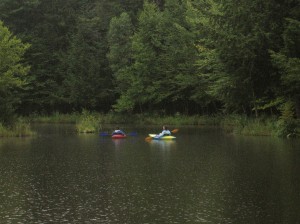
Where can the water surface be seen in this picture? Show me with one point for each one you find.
(204, 176)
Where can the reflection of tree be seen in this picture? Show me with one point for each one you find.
(284, 185)
(7, 143)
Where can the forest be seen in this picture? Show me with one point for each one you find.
(158, 56)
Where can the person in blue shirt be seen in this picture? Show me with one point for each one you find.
(118, 132)
(164, 132)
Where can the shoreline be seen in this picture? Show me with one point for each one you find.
(91, 122)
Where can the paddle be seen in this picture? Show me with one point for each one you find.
(132, 134)
(173, 131)
(104, 134)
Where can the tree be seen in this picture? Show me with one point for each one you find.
(12, 72)
(287, 60)
(242, 34)
(162, 51)
(88, 82)
(119, 40)
(139, 73)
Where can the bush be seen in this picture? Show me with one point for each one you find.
(88, 122)
(288, 128)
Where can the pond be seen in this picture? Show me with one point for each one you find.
(204, 176)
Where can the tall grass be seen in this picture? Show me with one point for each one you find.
(270, 126)
(19, 129)
(55, 118)
(89, 122)
(178, 120)
(256, 127)
(289, 128)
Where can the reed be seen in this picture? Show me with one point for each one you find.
(289, 128)
(55, 118)
(88, 122)
(255, 127)
(18, 129)
(177, 120)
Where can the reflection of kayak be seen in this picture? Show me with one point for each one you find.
(118, 136)
(166, 137)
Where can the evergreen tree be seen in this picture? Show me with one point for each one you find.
(242, 34)
(163, 50)
(89, 82)
(119, 39)
(86, 84)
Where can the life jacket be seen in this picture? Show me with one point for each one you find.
(168, 133)
(117, 132)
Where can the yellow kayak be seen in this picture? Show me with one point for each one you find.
(166, 137)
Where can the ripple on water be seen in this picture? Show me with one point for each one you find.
(84, 180)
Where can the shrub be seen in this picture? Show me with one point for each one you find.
(88, 122)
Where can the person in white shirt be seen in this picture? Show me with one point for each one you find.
(164, 132)
(118, 132)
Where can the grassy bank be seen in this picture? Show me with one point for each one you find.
(88, 122)
(20, 128)
(55, 118)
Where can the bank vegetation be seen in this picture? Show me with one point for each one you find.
(181, 61)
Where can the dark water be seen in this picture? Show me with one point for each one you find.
(204, 176)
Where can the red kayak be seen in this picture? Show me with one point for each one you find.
(118, 136)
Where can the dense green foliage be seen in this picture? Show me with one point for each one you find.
(187, 56)
(12, 73)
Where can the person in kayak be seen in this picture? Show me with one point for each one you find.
(164, 132)
(118, 132)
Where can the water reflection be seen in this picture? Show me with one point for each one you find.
(20, 142)
(118, 143)
(162, 144)
(124, 142)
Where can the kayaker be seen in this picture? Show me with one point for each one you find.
(164, 132)
(118, 132)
